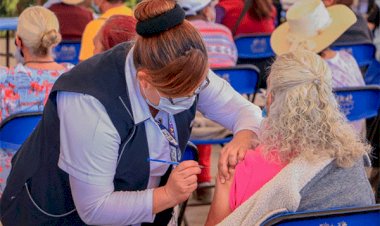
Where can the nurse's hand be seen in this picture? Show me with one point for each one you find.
(181, 183)
(234, 152)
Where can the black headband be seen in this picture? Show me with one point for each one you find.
(161, 23)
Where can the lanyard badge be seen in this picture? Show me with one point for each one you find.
(175, 153)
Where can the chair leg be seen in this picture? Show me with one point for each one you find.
(181, 215)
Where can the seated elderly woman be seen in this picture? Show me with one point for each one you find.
(309, 157)
(25, 87)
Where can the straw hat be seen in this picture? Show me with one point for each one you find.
(72, 2)
(310, 25)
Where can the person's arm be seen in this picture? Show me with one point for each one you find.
(221, 103)
(220, 206)
(101, 205)
(89, 153)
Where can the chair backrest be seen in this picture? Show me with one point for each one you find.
(190, 153)
(369, 216)
(359, 102)
(67, 52)
(254, 46)
(363, 53)
(15, 129)
(243, 78)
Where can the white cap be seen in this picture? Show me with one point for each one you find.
(191, 7)
(286, 4)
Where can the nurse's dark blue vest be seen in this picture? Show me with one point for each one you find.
(35, 164)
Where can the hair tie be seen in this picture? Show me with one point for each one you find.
(161, 22)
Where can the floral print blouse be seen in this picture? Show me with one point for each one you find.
(25, 89)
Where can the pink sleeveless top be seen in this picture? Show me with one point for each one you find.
(250, 175)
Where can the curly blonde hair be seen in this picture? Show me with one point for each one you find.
(304, 119)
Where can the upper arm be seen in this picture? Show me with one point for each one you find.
(89, 141)
(220, 206)
(221, 103)
(87, 45)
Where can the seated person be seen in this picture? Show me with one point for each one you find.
(72, 18)
(260, 18)
(358, 33)
(117, 29)
(300, 31)
(309, 158)
(25, 88)
(108, 8)
(220, 45)
(28, 84)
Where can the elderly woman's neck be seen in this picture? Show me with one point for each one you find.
(45, 62)
(328, 54)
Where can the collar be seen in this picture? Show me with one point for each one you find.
(140, 109)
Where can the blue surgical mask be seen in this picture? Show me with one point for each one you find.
(264, 112)
(19, 56)
(172, 106)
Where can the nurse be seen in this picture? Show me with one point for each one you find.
(86, 162)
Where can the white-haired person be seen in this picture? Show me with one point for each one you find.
(312, 26)
(27, 85)
(309, 158)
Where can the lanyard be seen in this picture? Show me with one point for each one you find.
(175, 154)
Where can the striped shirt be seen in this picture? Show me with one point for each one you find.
(219, 42)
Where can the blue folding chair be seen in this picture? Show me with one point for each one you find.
(15, 129)
(255, 49)
(359, 102)
(254, 46)
(67, 52)
(364, 54)
(359, 216)
(244, 79)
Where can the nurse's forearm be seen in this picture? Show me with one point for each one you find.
(162, 200)
(101, 205)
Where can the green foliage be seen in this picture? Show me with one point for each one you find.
(8, 8)
(131, 3)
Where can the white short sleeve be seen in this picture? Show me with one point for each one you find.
(89, 141)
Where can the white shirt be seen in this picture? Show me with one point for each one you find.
(90, 145)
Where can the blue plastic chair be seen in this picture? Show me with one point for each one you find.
(254, 46)
(364, 54)
(67, 52)
(368, 216)
(359, 102)
(255, 49)
(244, 79)
(15, 129)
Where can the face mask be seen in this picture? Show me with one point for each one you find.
(264, 112)
(19, 56)
(180, 104)
(95, 7)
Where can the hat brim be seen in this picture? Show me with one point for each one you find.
(342, 18)
(72, 2)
